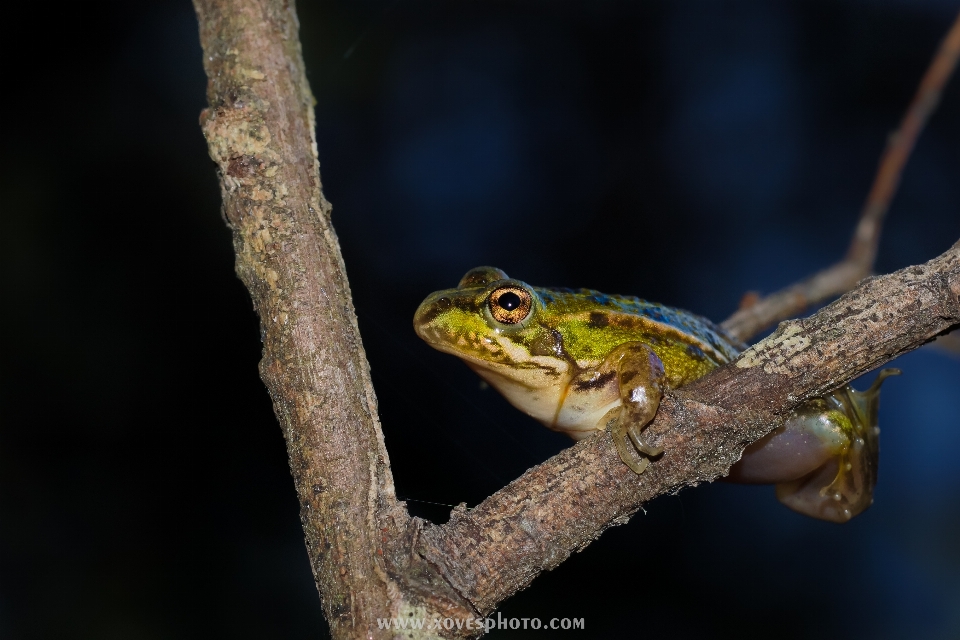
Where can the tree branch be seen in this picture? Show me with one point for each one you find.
(559, 507)
(858, 263)
(369, 558)
(260, 132)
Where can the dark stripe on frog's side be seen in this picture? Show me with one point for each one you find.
(599, 320)
(550, 371)
(596, 383)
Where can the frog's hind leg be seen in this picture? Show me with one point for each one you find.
(824, 458)
(843, 487)
(640, 375)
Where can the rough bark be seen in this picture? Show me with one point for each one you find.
(260, 131)
(369, 558)
(534, 523)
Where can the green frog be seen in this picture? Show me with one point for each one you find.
(580, 361)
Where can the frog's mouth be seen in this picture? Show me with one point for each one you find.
(488, 357)
(474, 352)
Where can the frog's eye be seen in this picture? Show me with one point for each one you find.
(510, 304)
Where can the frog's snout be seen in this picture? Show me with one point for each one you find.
(435, 305)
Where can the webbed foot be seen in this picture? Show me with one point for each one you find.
(843, 488)
(824, 458)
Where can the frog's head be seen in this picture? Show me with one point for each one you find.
(501, 329)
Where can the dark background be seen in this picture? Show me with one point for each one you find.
(685, 152)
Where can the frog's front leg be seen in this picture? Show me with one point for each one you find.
(640, 377)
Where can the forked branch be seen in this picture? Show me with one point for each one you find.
(532, 524)
(858, 263)
(369, 558)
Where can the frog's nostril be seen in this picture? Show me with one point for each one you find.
(431, 308)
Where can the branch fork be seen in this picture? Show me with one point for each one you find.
(372, 560)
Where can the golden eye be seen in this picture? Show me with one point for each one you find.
(510, 304)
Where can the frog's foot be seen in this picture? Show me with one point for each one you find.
(642, 446)
(620, 439)
(824, 458)
(640, 375)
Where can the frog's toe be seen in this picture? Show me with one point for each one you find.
(836, 492)
(638, 466)
(642, 445)
(636, 463)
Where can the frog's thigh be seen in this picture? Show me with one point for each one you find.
(823, 459)
(805, 442)
(640, 376)
(843, 487)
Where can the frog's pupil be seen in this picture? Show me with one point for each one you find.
(509, 301)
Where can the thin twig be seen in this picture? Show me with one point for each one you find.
(949, 343)
(858, 263)
(370, 559)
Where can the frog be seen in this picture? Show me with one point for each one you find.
(581, 362)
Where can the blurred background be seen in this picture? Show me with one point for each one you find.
(682, 152)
